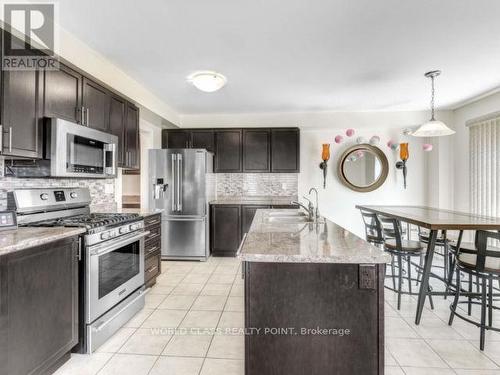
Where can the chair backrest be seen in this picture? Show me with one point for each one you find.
(391, 229)
(373, 229)
(483, 253)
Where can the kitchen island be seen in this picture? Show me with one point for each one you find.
(314, 298)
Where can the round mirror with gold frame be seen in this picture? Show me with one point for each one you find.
(363, 168)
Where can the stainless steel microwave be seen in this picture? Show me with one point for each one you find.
(78, 151)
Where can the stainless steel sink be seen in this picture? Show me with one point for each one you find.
(292, 213)
(289, 219)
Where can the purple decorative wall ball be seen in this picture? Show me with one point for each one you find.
(427, 147)
(349, 132)
(339, 139)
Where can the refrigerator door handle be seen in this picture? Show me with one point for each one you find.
(183, 219)
(179, 182)
(174, 208)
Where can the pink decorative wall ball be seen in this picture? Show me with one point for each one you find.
(389, 143)
(349, 132)
(339, 139)
(427, 147)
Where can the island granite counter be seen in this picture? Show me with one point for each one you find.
(314, 298)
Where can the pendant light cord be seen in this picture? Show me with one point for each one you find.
(432, 99)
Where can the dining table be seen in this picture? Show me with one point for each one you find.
(434, 220)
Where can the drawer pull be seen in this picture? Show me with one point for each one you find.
(154, 222)
(151, 269)
(153, 249)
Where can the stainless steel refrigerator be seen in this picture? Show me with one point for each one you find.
(182, 183)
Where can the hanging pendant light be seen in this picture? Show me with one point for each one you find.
(433, 127)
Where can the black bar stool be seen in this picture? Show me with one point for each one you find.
(483, 262)
(402, 249)
(373, 229)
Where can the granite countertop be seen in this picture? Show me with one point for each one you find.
(324, 242)
(265, 200)
(142, 212)
(26, 237)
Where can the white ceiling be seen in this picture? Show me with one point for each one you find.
(297, 55)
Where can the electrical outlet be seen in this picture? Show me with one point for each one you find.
(109, 188)
(367, 276)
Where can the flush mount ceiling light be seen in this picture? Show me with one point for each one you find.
(433, 127)
(207, 81)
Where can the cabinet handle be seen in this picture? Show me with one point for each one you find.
(153, 222)
(87, 120)
(153, 249)
(82, 113)
(10, 138)
(1, 139)
(151, 269)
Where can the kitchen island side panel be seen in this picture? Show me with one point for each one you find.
(284, 299)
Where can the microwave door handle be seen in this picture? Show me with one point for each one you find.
(179, 182)
(173, 183)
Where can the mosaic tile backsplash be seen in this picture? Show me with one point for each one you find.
(257, 184)
(103, 197)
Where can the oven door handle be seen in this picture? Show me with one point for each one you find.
(102, 249)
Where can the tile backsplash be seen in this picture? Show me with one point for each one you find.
(102, 191)
(257, 184)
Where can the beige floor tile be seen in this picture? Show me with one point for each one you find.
(433, 328)
(227, 346)
(196, 278)
(179, 302)
(187, 289)
(164, 319)
(414, 353)
(201, 319)
(427, 371)
(188, 346)
(235, 304)
(83, 364)
(216, 290)
(471, 332)
(128, 364)
(389, 358)
(160, 289)
(146, 341)
(238, 290)
(491, 349)
(116, 341)
(393, 370)
(177, 366)
(221, 278)
(227, 269)
(154, 300)
(461, 354)
(139, 318)
(213, 366)
(232, 319)
(477, 372)
(211, 303)
(398, 328)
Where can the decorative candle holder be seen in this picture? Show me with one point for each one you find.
(404, 155)
(325, 155)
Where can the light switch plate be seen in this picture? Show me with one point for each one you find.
(367, 276)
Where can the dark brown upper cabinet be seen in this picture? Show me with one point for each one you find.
(21, 120)
(62, 94)
(202, 139)
(228, 150)
(132, 146)
(96, 102)
(175, 139)
(256, 150)
(285, 150)
(117, 112)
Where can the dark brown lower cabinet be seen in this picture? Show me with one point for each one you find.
(38, 307)
(313, 319)
(247, 214)
(152, 249)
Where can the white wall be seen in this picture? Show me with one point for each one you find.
(337, 201)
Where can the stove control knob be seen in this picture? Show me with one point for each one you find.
(73, 195)
(134, 227)
(123, 230)
(44, 196)
(105, 235)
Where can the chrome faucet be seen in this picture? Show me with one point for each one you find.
(309, 209)
(316, 211)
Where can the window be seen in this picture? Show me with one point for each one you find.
(484, 138)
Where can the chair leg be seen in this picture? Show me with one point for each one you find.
(490, 301)
(469, 298)
(408, 261)
(445, 260)
(483, 313)
(430, 298)
(453, 306)
(419, 271)
(450, 276)
(393, 271)
(400, 279)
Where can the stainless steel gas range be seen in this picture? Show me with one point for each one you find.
(111, 257)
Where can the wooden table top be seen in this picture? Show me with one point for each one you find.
(434, 218)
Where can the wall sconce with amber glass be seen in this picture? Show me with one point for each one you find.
(404, 155)
(325, 155)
